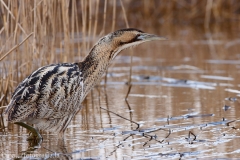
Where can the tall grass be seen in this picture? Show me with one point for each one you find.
(49, 30)
(41, 32)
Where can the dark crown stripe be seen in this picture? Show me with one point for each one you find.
(33, 80)
(129, 29)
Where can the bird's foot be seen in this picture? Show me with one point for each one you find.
(35, 135)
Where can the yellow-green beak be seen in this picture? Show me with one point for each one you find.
(149, 37)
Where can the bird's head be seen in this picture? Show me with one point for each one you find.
(125, 38)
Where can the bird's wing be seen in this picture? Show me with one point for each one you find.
(44, 91)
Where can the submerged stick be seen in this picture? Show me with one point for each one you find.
(121, 117)
(129, 85)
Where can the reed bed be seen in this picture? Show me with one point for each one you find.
(37, 33)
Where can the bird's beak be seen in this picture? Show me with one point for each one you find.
(150, 37)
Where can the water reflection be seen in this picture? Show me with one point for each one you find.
(183, 103)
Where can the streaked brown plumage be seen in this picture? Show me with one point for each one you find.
(51, 96)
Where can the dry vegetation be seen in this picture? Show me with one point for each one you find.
(48, 29)
(41, 32)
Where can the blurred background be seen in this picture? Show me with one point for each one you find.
(195, 72)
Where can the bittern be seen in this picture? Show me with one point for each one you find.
(51, 96)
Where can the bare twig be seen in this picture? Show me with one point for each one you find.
(124, 13)
(3, 107)
(16, 46)
(129, 87)
(96, 20)
(13, 17)
(104, 16)
(111, 153)
(114, 15)
(4, 4)
(121, 117)
(208, 13)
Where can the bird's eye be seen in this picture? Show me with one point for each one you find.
(137, 37)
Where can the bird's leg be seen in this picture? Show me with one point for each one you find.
(34, 131)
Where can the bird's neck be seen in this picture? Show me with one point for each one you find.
(94, 66)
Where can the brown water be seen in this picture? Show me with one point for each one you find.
(184, 96)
